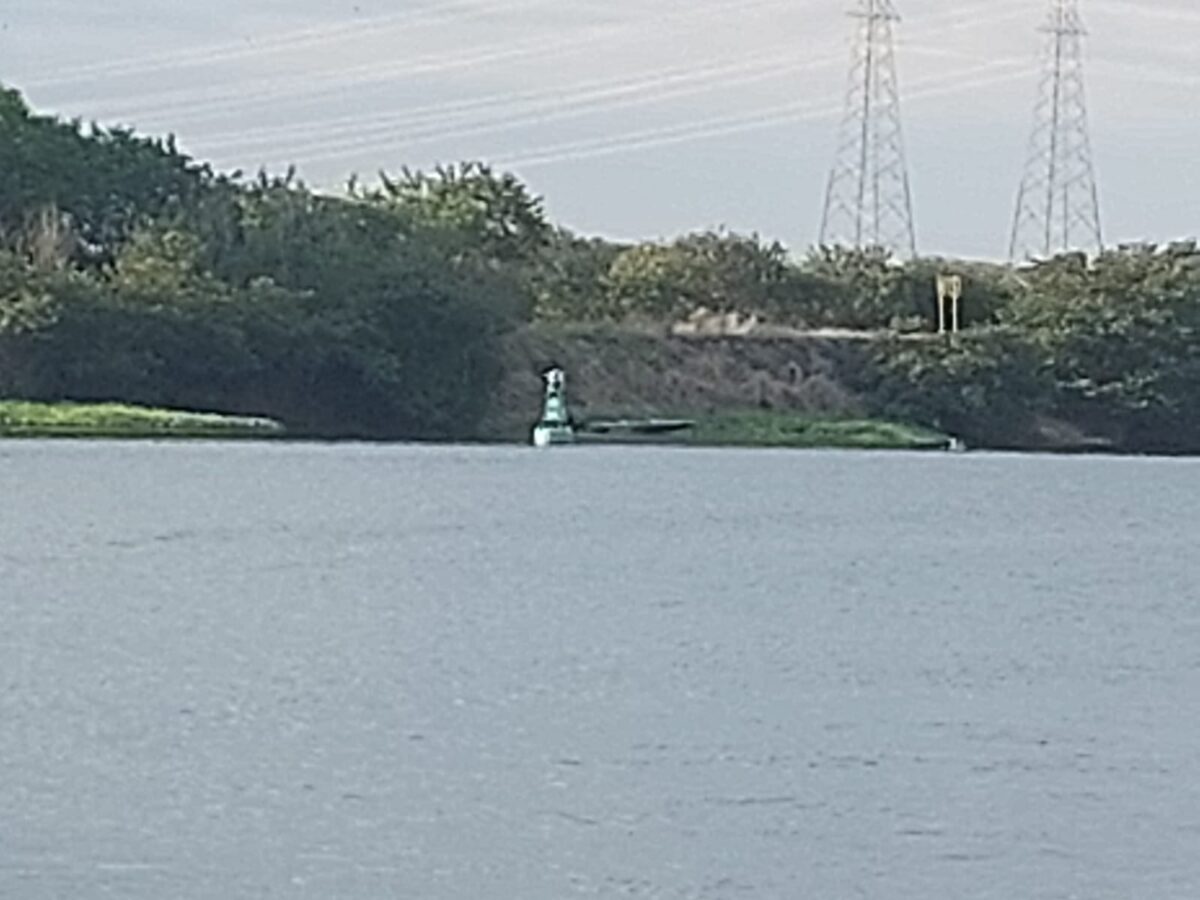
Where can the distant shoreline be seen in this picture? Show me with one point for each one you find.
(765, 429)
(22, 420)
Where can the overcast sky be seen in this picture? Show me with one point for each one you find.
(634, 118)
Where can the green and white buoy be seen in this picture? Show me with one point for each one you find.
(555, 426)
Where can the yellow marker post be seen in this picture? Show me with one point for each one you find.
(950, 292)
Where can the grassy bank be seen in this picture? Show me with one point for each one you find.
(785, 429)
(114, 420)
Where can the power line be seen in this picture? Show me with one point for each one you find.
(868, 200)
(1058, 205)
(220, 100)
(782, 114)
(502, 111)
(446, 110)
(212, 100)
(298, 39)
(337, 148)
(1126, 8)
(581, 100)
(626, 98)
(505, 110)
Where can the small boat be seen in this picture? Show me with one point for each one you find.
(637, 429)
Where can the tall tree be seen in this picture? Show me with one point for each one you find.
(713, 271)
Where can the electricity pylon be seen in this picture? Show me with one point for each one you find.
(1058, 207)
(868, 202)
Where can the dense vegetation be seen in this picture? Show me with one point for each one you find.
(1106, 346)
(130, 272)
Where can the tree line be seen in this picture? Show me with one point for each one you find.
(130, 271)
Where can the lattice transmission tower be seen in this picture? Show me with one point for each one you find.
(868, 202)
(1058, 207)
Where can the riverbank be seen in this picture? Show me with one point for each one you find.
(819, 390)
(775, 391)
(21, 419)
(614, 373)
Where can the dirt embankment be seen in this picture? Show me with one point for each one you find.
(614, 372)
(619, 372)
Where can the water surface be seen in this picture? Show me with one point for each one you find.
(467, 673)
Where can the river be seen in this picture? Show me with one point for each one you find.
(431, 673)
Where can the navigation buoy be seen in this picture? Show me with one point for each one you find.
(555, 426)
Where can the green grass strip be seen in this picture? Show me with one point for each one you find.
(779, 429)
(117, 420)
